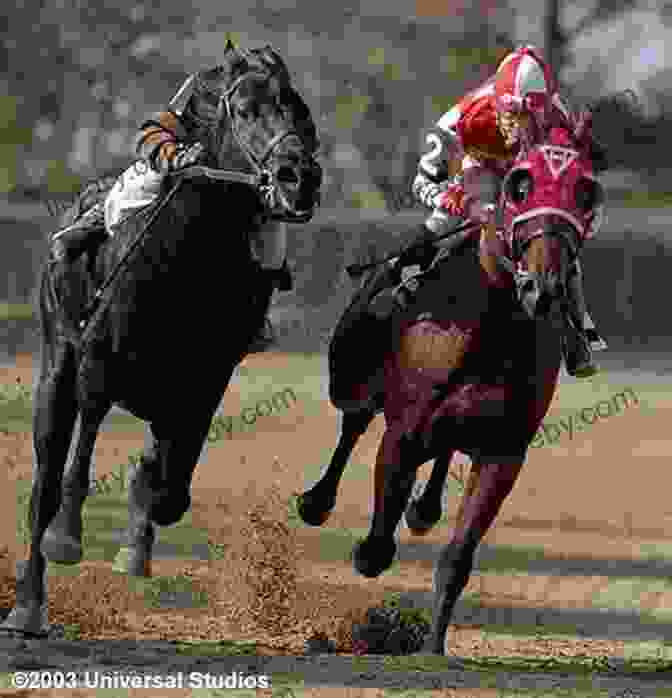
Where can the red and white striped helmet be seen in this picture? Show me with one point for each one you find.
(524, 83)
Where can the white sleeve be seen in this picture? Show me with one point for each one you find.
(443, 147)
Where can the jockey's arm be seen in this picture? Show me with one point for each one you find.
(161, 140)
(441, 163)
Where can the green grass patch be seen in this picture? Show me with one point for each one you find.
(633, 594)
(505, 559)
(587, 393)
(303, 372)
(16, 411)
(159, 591)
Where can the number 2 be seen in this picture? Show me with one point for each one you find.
(426, 160)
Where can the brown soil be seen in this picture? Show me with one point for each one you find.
(596, 497)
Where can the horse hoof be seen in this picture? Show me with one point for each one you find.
(132, 561)
(62, 549)
(168, 507)
(371, 559)
(29, 619)
(418, 524)
(310, 511)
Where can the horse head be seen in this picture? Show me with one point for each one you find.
(270, 126)
(547, 200)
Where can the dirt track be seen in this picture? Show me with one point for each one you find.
(589, 504)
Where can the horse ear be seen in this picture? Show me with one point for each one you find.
(230, 46)
(276, 60)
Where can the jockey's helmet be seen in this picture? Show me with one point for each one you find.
(524, 86)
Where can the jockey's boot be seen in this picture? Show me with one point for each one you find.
(83, 235)
(271, 279)
(403, 286)
(581, 336)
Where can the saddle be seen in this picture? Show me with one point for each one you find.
(451, 292)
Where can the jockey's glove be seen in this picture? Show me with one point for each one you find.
(451, 200)
(185, 156)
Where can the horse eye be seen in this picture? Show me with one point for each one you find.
(524, 187)
(520, 187)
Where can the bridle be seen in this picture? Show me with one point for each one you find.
(262, 179)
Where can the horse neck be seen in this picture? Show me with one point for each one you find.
(491, 247)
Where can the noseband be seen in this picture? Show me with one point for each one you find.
(264, 179)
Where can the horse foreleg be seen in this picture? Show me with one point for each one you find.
(315, 505)
(153, 500)
(135, 554)
(55, 414)
(394, 477)
(491, 483)
(62, 542)
(470, 488)
(424, 513)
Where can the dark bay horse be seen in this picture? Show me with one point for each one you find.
(177, 313)
(472, 366)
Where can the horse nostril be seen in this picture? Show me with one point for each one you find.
(287, 175)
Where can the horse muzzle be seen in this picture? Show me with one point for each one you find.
(296, 191)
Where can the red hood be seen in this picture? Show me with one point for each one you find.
(561, 170)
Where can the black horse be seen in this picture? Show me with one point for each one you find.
(175, 311)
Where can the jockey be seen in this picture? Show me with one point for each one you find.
(482, 135)
(173, 139)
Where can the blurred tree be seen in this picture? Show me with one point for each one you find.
(68, 62)
(557, 36)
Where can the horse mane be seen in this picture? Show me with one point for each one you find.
(268, 59)
(238, 61)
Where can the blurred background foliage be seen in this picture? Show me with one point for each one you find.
(79, 76)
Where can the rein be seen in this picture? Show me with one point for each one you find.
(263, 177)
(262, 180)
(93, 306)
